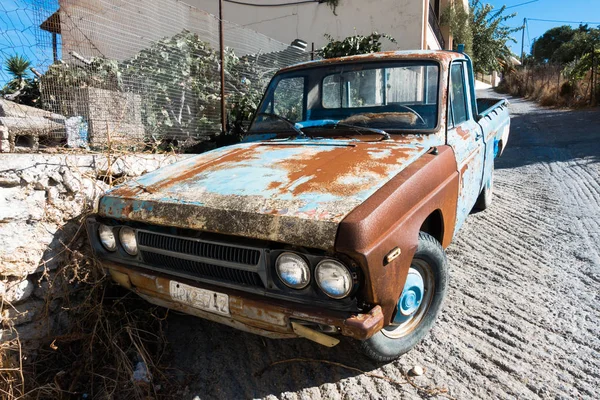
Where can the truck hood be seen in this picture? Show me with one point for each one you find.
(291, 191)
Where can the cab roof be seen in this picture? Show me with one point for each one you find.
(436, 55)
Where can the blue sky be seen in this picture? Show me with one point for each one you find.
(564, 10)
(19, 32)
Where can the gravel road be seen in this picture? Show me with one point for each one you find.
(522, 318)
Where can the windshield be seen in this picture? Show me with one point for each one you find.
(397, 96)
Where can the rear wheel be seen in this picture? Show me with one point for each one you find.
(484, 200)
(418, 305)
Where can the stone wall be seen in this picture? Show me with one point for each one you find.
(42, 200)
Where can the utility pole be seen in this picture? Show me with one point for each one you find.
(523, 41)
(222, 53)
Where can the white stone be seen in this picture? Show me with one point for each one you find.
(12, 204)
(36, 204)
(53, 195)
(41, 183)
(29, 177)
(417, 370)
(9, 180)
(23, 313)
(16, 291)
(69, 180)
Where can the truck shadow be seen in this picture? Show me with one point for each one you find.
(216, 361)
(540, 135)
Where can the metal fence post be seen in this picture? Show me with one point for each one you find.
(222, 54)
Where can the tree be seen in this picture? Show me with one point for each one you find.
(21, 89)
(584, 40)
(17, 66)
(353, 45)
(483, 33)
(545, 47)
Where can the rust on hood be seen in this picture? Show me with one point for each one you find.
(292, 191)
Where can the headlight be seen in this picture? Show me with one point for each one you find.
(107, 237)
(128, 241)
(334, 279)
(293, 270)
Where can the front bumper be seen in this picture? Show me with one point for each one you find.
(249, 313)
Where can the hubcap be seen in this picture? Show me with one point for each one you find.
(411, 296)
(413, 302)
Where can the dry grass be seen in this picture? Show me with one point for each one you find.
(548, 86)
(111, 333)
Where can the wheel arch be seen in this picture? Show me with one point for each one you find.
(434, 225)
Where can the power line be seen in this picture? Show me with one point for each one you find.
(564, 22)
(271, 5)
(522, 4)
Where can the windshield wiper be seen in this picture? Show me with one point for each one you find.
(290, 123)
(356, 128)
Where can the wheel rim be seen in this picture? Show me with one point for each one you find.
(414, 302)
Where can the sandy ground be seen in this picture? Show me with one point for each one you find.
(522, 318)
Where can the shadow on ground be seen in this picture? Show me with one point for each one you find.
(547, 135)
(220, 362)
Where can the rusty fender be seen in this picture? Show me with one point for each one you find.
(250, 313)
(392, 217)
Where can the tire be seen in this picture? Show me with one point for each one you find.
(393, 341)
(484, 201)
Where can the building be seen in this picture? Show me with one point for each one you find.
(414, 23)
(118, 29)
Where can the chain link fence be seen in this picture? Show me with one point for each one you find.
(126, 73)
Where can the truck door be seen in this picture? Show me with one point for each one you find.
(465, 136)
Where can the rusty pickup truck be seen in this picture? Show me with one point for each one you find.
(330, 219)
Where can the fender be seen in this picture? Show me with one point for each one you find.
(392, 217)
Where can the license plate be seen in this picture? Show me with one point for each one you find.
(206, 300)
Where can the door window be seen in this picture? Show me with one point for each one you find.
(458, 95)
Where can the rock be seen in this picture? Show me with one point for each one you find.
(36, 204)
(16, 291)
(31, 331)
(41, 183)
(141, 373)
(417, 370)
(28, 177)
(70, 182)
(45, 290)
(9, 179)
(53, 195)
(55, 176)
(23, 313)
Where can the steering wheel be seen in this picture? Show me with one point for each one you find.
(412, 111)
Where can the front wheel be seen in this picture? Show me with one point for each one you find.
(418, 305)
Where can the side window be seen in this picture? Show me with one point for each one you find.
(288, 99)
(458, 94)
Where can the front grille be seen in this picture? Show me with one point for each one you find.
(200, 249)
(202, 270)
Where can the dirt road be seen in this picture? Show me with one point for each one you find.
(522, 318)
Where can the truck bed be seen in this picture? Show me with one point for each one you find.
(486, 105)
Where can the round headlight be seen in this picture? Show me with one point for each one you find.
(128, 241)
(334, 279)
(293, 270)
(107, 237)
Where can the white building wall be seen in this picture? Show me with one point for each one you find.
(403, 19)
